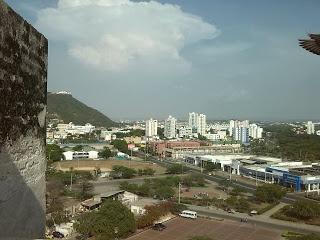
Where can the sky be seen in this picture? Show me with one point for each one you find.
(134, 59)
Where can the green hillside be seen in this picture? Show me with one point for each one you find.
(67, 108)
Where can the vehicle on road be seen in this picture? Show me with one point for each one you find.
(188, 214)
(159, 227)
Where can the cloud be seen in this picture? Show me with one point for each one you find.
(119, 35)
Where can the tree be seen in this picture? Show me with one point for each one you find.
(303, 209)
(164, 192)
(113, 220)
(77, 148)
(85, 189)
(175, 169)
(270, 193)
(121, 145)
(122, 172)
(53, 153)
(105, 153)
(210, 167)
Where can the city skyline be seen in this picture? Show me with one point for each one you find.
(234, 60)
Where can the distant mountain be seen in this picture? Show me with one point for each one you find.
(65, 107)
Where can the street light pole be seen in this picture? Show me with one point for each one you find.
(179, 193)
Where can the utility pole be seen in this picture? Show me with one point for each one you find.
(179, 192)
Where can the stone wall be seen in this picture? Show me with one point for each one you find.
(23, 89)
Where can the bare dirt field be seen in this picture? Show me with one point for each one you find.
(210, 189)
(183, 229)
(105, 165)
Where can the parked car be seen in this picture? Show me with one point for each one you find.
(159, 227)
(57, 234)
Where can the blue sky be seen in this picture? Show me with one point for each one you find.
(228, 59)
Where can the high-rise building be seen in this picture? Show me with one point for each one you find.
(193, 119)
(241, 134)
(202, 124)
(170, 127)
(255, 131)
(310, 127)
(151, 128)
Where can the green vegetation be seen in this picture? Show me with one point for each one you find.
(146, 172)
(112, 221)
(105, 153)
(163, 188)
(156, 211)
(132, 133)
(121, 145)
(270, 193)
(53, 153)
(75, 111)
(210, 167)
(299, 236)
(175, 169)
(284, 142)
(78, 148)
(122, 172)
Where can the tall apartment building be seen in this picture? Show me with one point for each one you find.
(193, 119)
(151, 128)
(310, 127)
(236, 123)
(241, 134)
(255, 131)
(202, 124)
(170, 127)
(198, 122)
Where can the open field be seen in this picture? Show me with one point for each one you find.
(105, 165)
(210, 189)
(183, 229)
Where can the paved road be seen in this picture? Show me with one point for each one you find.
(259, 220)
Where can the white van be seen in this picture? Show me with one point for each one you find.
(188, 214)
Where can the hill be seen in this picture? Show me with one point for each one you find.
(67, 108)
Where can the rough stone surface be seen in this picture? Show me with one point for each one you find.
(23, 87)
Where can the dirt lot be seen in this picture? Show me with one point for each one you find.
(105, 165)
(183, 229)
(210, 189)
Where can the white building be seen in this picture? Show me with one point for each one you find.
(255, 131)
(202, 124)
(170, 127)
(70, 155)
(310, 127)
(241, 134)
(151, 128)
(185, 132)
(193, 120)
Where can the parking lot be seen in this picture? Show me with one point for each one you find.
(183, 229)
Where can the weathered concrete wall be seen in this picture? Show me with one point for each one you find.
(23, 87)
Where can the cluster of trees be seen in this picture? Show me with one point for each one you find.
(127, 173)
(132, 133)
(269, 193)
(112, 221)
(163, 188)
(154, 212)
(58, 186)
(121, 145)
(303, 210)
(284, 142)
(175, 169)
(210, 167)
(240, 204)
(53, 153)
(106, 153)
